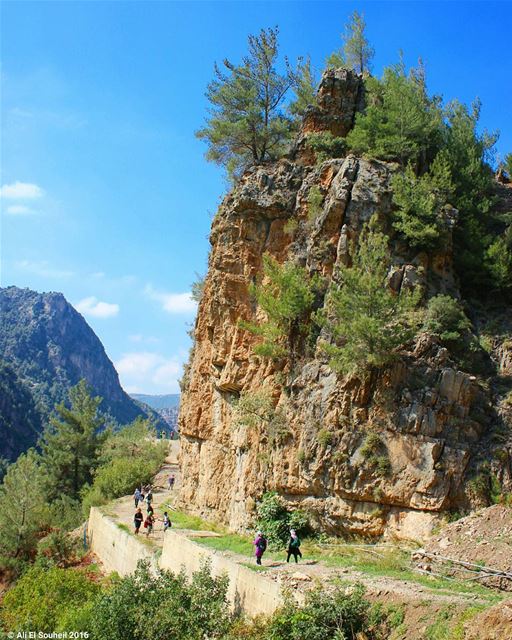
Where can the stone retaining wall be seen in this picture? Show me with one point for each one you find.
(118, 550)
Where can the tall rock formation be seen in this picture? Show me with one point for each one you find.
(432, 419)
(46, 347)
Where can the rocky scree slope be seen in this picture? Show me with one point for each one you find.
(46, 347)
(435, 422)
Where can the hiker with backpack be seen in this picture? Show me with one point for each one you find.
(167, 521)
(294, 546)
(137, 496)
(260, 544)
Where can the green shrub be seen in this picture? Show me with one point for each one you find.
(326, 145)
(275, 520)
(315, 199)
(343, 614)
(256, 410)
(324, 437)
(372, 445)
(383, 465)
(508, 164)
(301, 456)
(374, 451)
(446, 319)
(58, 548)
(291, 226)
(42, 596)
(145, 606)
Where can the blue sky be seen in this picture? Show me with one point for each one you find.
(107, 196)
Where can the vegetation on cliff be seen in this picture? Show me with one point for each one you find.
(375, 349)
(368, 321)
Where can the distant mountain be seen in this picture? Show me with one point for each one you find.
(20, 420)
(167, 406)
(167, 401)
(46, 347)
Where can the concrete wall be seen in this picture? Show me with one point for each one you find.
(118, 550)
(248, 590)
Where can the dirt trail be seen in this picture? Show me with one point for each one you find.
(123, 509)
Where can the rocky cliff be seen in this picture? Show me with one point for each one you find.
(47, 346)
(435, 420)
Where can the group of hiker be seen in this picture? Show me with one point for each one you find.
(141, 495)
(145, 494)
(260, 546)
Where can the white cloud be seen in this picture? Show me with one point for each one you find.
(149, 372)
(137, 337)
(19, 210)
(43, 269)
(21, 191)
(173, 302)
(93, 307)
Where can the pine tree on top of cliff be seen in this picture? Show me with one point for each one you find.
(304, 88)
(247, 124)
(400, 122)
(356, 52)
(367, 320)
(508, 165)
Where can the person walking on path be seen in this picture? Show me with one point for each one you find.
(148, 523)
(137, 520)
(260, 544)
(171, 481)
(167, 522)
(294, 546)
(137, 496)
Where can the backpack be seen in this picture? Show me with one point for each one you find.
(262, 543)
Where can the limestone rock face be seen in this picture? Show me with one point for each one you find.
(426, 413)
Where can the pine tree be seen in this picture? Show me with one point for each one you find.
(420, 201)
(356, 52)
(286, 295)
(247, 124)
(23, 510)
(304, 88)
(72, 442)
(467, 152)
(367, 320)
(400, 122)
(508, 165)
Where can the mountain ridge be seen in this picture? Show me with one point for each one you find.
(49, 346)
